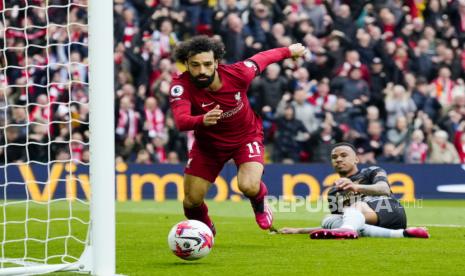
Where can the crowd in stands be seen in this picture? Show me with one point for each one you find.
(386, 75)
(43, 81)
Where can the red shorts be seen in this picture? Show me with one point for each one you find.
(207, 164)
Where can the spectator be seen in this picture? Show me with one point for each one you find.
(322, 139)
(268, 90)
(301, 80)
(315, 12)
(77, 146)
(390, 154)
(85, 156)
(354, 87)
(177, 141)
(15, 151)
(379, 81)
(199, 15)
(456, 13)
(322, 99)
(352, 59)
(321, 65)
(128, 128)
(422, 63)
(375, 137)
(259, 25)
(157, 150)
(286, 147)
(172, 158)
(143, 157)
(444, 85)
(413, 53)
(37, 147)
(416, 150)
(154, 119)
(343, 20)
(365, 152)
(303, 110)
(424, 101)
(441, 150)
(398, 103)
(164, 39)
(399, 135)
(234, 36)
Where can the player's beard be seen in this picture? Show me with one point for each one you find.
(342, 171)
(203, 83)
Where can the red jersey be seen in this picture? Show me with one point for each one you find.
(238, 122)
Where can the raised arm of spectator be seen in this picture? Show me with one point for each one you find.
(282, 104)
(329, 9)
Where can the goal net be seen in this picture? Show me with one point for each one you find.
(45, 189)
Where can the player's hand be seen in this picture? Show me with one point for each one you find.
(345, 184)
(211, 117)
(297, 50)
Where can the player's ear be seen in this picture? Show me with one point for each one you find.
(356, 159)
(216, 64)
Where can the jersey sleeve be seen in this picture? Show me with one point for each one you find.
(246, 71)
(377, 174)
(255, 65)
(181, 107)
(265, 58)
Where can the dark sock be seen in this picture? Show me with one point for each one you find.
(200, 213)
(258, 200)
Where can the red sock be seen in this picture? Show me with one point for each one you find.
(258, 199)
(200, 213)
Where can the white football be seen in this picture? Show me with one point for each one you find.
(190, 240)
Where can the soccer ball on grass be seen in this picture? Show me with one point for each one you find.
(190, 240)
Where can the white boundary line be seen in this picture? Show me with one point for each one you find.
(444, 225)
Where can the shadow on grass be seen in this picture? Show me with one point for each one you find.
(181, 263)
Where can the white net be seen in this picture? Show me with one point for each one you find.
(44, 156)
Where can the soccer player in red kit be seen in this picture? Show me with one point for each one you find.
(211, 99)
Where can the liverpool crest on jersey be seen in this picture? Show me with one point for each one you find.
(238, 96)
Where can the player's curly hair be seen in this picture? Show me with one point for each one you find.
(196, 45)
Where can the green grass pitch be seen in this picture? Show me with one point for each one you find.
(241, 248)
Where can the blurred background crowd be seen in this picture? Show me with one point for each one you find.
(386, 75)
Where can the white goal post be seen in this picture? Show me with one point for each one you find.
(53, 217)
(102, 168)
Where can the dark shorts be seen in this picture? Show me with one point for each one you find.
(207, 163)
(390, 212)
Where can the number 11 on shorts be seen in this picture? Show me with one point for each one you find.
(254, 149)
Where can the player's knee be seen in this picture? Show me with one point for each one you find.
(191, 200)
(249, 188)
(331, 221)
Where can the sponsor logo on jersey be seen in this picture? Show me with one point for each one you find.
(233, 111)
(177, 90)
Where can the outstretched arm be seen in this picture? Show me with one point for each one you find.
(290, 230)
(379, 187)
(265, 58)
